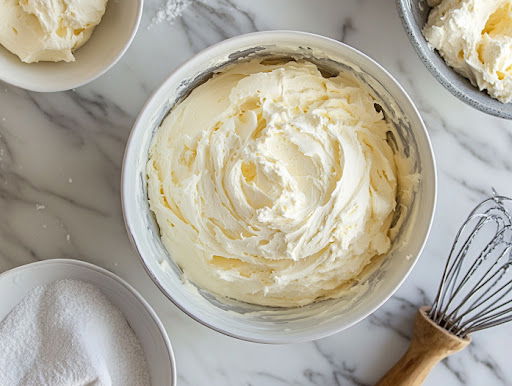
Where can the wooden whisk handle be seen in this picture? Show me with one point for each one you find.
(429, 345)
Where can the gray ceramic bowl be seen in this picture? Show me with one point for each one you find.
(414, 15)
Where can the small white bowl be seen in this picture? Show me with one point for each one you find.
(16, 283)
(267, 324)
(109, 41)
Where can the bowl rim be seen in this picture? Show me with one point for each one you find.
(102, 271)
(131, 151)
(459, 93)
(71, 85)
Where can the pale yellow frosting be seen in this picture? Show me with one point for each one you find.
(48, 30)
(475, 38)
(272, 184)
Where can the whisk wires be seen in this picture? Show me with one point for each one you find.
(476, 286)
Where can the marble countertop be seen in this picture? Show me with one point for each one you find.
(60, 163)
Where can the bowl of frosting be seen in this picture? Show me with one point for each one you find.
(467, 46)
(279, 186)
(58, 45)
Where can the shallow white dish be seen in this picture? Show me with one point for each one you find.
(16, 283)
(266, 324)
(109, 41)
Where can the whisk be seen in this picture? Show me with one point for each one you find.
(475, 293)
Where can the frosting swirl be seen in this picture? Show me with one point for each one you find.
(273, 184)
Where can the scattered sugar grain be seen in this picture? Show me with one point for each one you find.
(170, 11)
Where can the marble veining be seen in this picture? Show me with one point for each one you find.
(60, 165)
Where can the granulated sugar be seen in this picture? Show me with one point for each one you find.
(68, 333)
(170, 11)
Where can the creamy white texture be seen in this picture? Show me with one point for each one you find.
(274, 185)
(48, 30)
(475, 38)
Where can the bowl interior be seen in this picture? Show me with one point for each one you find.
(414, 14)
(266, 324)
(107, 44)
(16, 283)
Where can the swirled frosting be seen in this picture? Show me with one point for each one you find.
(273, 184)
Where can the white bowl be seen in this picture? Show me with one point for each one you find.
(265, 324)
(16, 283)
(109, 41)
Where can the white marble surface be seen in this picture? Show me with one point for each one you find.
(60, 161)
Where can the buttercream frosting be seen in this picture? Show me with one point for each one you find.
(48, 30)
(475, 38)
(273, 184)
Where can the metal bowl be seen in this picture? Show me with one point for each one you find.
(414, 14)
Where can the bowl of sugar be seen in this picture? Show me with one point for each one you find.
(79, 324)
